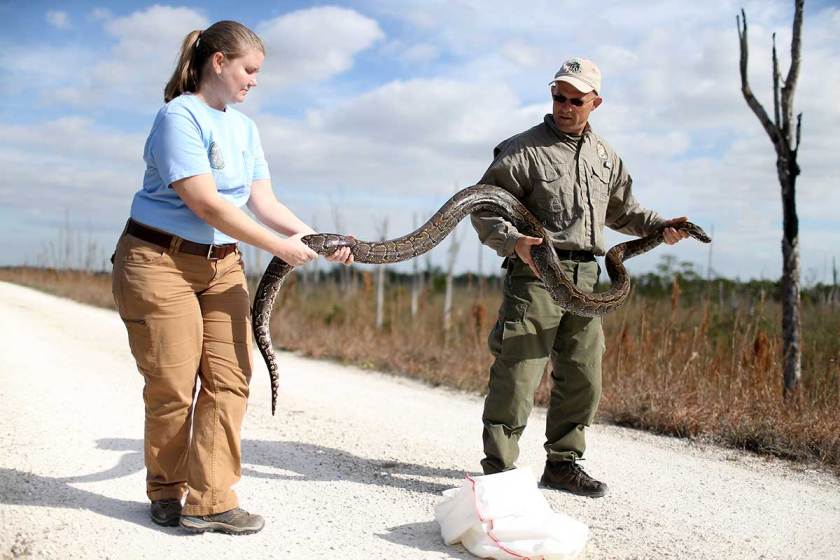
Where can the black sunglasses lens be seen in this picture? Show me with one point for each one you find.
(576, 101)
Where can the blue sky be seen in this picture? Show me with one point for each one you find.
(374, 109)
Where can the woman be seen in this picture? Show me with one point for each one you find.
(179, 282)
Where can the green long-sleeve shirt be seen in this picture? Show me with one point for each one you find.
(575, 185)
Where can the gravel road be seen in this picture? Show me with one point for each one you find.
(351, 467)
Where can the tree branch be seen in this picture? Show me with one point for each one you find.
(798, 131)
(769, 127)
(776, 77)
(793, 71)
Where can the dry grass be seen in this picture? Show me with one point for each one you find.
(711, 371)
(325, 323)
(690, 370)
(701, 369)
(93, 288)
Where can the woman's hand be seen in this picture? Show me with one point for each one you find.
(294, 251)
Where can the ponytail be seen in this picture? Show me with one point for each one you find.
(185, 77)
(230, 38)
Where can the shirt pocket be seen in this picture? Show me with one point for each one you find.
(599, 180)
(553, 197)
(599, 177)
(222, 179)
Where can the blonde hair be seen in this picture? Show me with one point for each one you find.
(230, 38)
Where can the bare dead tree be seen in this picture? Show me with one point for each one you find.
(344, 273)
(309, 271)
(380, 278)
(709, 260)
(316, 268)
(452, 255)
(786, 140)
(416, 278)
(482, 282)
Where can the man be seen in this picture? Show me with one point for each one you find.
(575, 184)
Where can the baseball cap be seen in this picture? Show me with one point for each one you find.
(581, 73)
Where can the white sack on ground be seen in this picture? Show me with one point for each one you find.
(504, 516)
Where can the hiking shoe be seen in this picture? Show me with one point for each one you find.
(570, 477)
(233, 522)
(166, 512)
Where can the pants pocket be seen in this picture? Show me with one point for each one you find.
(140, 342)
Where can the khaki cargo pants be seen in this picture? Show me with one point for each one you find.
(531, 329)
(188, 319)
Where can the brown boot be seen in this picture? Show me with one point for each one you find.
(233, 522)
(166, 512)
(570, 477)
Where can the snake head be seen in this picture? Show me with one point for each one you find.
(328, 243)
(694, 231)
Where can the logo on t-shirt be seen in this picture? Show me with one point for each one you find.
(216, 159)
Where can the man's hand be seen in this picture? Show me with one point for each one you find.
(343, 256)
(672, 235)
(523, 251)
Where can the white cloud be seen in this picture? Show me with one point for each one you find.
(144, 57)
(521, 53)
(38, 71)
(303, 46)
(314, 44)
(417, 53)
(470, 74)
(401, 138)
(58, 19)
(69, 164)
(129, 75)
(100, 14)
(69, 176)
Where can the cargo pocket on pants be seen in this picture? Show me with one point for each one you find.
(140, 342)
(514, 337)
(519, 341)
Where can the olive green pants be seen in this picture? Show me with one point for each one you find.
(531, 329)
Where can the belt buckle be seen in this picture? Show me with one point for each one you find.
(210, 256)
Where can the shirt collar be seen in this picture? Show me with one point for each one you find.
(549, 121)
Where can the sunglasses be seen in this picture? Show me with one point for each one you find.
(576, 101)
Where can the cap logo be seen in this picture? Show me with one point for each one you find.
(573, 67)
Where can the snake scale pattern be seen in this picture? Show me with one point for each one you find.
(477, 198)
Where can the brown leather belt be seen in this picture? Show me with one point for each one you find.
(210, 252)
(576, 255)
(563, 255)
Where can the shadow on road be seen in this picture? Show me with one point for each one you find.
(20, 488)
(317, 463)
(296, 461)
(423, 536)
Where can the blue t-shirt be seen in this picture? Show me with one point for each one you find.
(191, 138)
